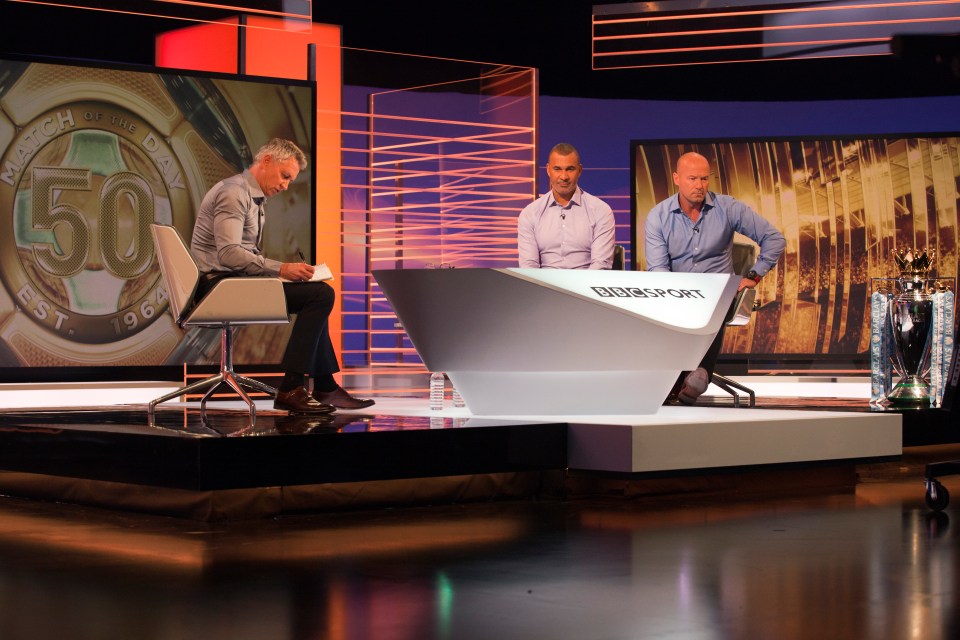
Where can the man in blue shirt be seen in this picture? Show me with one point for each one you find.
(693, 231)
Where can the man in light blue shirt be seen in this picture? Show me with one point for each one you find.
(566, 228)
(693, 231)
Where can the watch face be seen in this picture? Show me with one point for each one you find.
(91, 177)
(89, 159)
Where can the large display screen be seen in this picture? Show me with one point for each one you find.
(845, 204)
(89, 158)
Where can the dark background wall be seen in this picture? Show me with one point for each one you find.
(554, 37)
(602, 129)
(598, 111)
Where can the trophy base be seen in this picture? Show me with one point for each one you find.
(912, 391)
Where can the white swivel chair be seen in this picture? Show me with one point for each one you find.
(744, 257)
(232, 301)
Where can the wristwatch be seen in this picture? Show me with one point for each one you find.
(752, 275)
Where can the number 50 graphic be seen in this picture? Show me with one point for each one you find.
(67, 220)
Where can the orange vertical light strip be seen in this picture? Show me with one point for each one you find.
(328, 163)
(282, 54)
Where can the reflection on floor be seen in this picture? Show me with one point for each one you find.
(861, 560)
(868, 563)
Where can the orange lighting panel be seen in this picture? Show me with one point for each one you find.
(283, 54)
(210, 46)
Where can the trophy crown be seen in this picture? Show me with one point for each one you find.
(913, 263)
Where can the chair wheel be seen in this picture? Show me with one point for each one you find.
(937, 497)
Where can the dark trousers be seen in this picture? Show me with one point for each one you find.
(309, 350)
(708, 362)
(710, 358)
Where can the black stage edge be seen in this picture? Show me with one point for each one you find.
(929, 426)
(225, 453)
(222, 467)
(750, 481)
(225, 468)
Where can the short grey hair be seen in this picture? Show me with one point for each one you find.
(282, 150)
(565, 149)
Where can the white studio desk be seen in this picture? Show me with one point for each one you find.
(547, 341)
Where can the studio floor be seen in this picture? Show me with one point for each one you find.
(866, 560)
(868, 564)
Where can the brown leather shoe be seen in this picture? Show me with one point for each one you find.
(694, 385)
(341, 399)
(299, 401)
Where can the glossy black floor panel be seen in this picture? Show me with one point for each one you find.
(178, 449)
(99, 455)
(869, 563)
(866, 560)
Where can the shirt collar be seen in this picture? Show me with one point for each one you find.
(708, 203)
(575, 199)
(252, 185)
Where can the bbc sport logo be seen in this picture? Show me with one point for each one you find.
(637, 292)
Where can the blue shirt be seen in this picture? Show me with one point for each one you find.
(676, 243)
(579, 235)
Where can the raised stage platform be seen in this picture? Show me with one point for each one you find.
(94, 444)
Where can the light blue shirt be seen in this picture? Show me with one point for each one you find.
(577, 236)
(676, 243)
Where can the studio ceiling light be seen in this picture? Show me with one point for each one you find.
(687, 32)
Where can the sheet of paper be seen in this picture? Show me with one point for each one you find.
(320, 272)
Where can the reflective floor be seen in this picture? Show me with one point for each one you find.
(874, 563)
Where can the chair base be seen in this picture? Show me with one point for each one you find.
(227, 376)
(239, 384)
(731, 387)
(936, 495)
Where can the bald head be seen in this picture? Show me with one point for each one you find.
(692, 178)
(692, 159)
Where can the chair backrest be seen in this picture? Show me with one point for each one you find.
(179, 270)
(744, 257)
(617, 257)
(742, 307)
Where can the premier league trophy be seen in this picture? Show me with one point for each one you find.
(911, 321)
